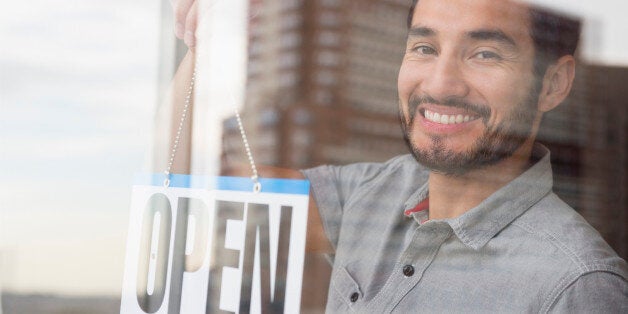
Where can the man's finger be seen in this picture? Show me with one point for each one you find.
(190, 25)
(181, 10)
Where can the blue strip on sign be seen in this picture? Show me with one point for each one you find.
(284, 186)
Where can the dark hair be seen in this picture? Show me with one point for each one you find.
(554, 35)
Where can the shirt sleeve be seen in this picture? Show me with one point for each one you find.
(332, 186)
(596, 292)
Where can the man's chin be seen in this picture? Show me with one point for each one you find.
(442, 160)
(446, 167)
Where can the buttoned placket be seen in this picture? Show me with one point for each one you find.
(410, 267)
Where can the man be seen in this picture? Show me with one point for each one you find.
(473, 226)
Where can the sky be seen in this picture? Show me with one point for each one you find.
(78, 99)
(78, 95)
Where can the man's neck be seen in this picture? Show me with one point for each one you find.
(452, 196)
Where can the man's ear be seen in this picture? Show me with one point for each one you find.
(557, 83)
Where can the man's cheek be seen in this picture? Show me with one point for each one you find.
(403, 111)
(406, 81)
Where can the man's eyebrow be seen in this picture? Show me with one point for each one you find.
(421, 31)
(492, 35)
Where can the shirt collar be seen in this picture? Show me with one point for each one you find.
(420, 195)
(481, 223)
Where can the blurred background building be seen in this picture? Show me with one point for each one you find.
(321, 84)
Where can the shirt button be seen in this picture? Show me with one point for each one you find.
(354, 297)
(408, 270)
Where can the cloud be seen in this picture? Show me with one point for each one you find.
(77, 79)
(69, 34)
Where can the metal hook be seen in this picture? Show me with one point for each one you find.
(257, 187)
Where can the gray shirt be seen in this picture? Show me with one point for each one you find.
(521, 250)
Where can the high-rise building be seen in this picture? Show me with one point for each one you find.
(322, 82)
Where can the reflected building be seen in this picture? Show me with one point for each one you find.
(321, 83)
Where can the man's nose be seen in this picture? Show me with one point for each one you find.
(446, 80)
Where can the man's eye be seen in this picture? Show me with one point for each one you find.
(487, 55)
(425, 50)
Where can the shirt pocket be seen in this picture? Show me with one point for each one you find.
(345, 293)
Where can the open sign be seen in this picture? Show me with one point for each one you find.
(208, 245)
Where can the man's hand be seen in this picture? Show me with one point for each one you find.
(185, 20)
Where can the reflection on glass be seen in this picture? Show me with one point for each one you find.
(315, 82)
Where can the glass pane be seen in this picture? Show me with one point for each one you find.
(93, 92)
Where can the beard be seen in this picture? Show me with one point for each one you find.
(499, 141)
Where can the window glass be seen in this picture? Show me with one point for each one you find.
(90, 97)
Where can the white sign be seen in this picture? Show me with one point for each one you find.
(208, 245)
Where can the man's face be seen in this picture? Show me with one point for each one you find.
(467, 93)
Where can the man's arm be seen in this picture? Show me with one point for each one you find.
(316, 241)
(596, 292)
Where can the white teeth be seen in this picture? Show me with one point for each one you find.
(446, 119)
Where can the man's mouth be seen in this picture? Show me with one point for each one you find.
(442, 118)
(450, 113)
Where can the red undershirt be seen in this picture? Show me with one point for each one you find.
(424, 205)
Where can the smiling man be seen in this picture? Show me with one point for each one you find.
(470, 100)
(468, 222)
(467, 88)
